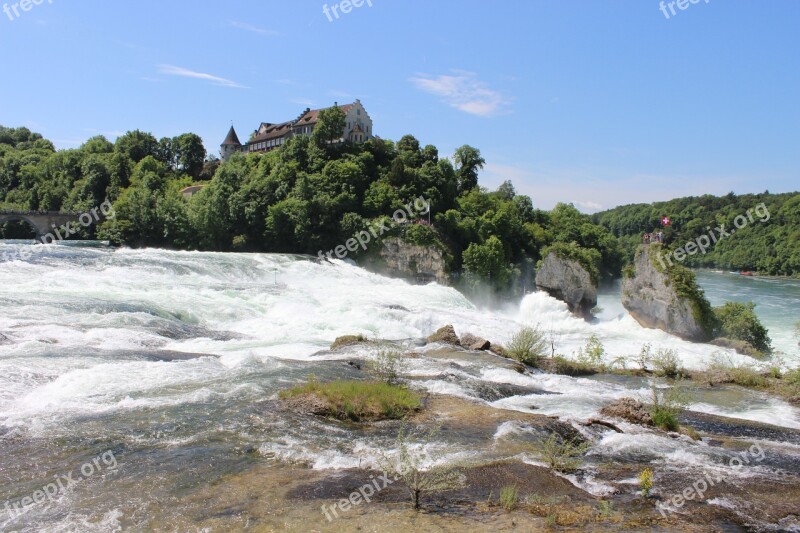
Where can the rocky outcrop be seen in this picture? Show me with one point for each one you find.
(743, 347)
(665, 296)
(477, 344)
(445, 335)
(4, 340)
(569, 281)
(348, 340)
(628, 409)
(421, 263)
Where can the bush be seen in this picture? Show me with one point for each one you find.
(667, 405)
(409, 467)
(562, 455)
(646, 482)
(592, 353)
(388, 366)
(360, 400)
(666, 363)
(508, 498)
(528, 345)
(739, 321)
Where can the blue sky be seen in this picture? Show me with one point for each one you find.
(597, 103)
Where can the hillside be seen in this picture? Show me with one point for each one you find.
(306, 197)
(749, 232)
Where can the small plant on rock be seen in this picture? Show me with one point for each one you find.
(528, 345)
(508, 497)
(563, 455)
(388, 366)
(646, 482)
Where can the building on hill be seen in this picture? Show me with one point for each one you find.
(268, 136)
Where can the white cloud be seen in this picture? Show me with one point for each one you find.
(463, 91)
(249, 27)
(186, 73)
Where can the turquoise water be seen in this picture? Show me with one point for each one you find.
(777, 303)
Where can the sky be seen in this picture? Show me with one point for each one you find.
(598, 103)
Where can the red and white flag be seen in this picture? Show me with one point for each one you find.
(665, 221)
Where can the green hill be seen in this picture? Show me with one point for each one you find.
(749, 232)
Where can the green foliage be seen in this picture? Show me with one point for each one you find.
(509, 496)
(665, 363)
(667, 404)
(770, 244)
(739, 321)
(563, 455)
(306, 196)
(646, 482)
(330, 126)
(589, 259)
(358, 400)
(388, 366)
(592, 353)
(528, 345)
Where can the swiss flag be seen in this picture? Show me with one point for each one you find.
(665, 221)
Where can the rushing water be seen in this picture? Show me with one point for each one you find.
(166, 360)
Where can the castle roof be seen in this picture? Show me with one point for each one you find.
(232, 139)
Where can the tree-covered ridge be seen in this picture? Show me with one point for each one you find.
(770, 246)
(306, 196)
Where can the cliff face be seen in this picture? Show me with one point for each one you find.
(666, 297)
(568, 281)
(422, 263)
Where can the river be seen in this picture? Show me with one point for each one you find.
(163, 360)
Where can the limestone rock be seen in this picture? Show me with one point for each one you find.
(628, 409)
(474, 343)
(568, 281)
(445, 335)
(652, 298)
(421, 263)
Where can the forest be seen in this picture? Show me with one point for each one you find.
(767, 245)
(309, 195)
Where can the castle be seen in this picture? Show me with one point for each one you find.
(268, 136)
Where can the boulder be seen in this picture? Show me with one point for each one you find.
(347, 340)
(628, 409)
(568, 281)
(4, 340)
(474, 343)
(665, 296)
(445, 335)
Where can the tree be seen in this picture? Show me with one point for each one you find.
(137, 145)
(468, 162)
(330, 126)
(190, 154)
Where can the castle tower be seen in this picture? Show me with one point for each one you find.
(230, 145)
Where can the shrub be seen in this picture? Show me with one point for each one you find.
(666, 363)
(645, 356)
(562, 455)
(592, 353)
(739, 321)
(508, 497)
(360, 400)
(646, 482)
(666, 405)
(409, 467)
(388, 366)
(528, 345)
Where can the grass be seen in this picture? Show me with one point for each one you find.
(361, 400)
(508, 498)
(568, 367)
